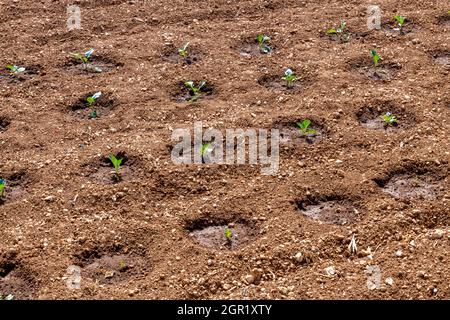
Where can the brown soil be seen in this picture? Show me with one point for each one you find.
(158, 231)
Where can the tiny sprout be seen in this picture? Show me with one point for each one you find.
(116, 163)
(15, 69)
(289, 77)
(183, 51)
(2, 187)
(340, 32)
(205, 148)
(389, 119)
(83, 57)
(228, 234)
(91, 99)
(304, 127)
(122, 266)
(194, 90)
(376, 58)
(400, 21)
(263, 42)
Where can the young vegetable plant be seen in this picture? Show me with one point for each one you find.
(194, 90)
(122, 266)
(304, 127)
(90, 101)
(400, 22)
(183, 52)
(389, 119)
(228, 235)
(340, 31)
(83, 57)
(375, 57)
(15, 69)
(289, 77)
(263, 42)
(116, 163)
(2, 187)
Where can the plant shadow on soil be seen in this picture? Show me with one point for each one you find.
(15, 279)
(444, 20)
(105, 64)
(385, 71)
(414, 181)
(111, 265)
(330, 209)
(103, 106)
(102, 170)
(209, 232)
(370, 116)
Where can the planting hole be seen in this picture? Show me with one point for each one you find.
(102, 106)
(291, 133)
(407, 185)
(333, 210)
(383, 72)
(372, 117)
(442, 57)
(96, 64)
(15, 280)
(277, 84)
(212, 233)
(170, 53)
(183, 94)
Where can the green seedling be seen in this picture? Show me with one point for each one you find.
(376, 58)
(389, 119)
(228, 235)
(205, 148)
(2, 187)
(263, 42)
(183, 52)
(122, 266)
(90, 101)
(83, 57)
(304, 128)
(340, 32)
(7, 297)
(116, 163)
(289, 77)
(15, 69)
(194, 90)
(401, 22)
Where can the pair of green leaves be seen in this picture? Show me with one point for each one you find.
(15, 69)
(116, 163)
(400, 20)
(304, 127)
(289, 77)
(195, 90)
(263, 42)
(389, 118)
(338, 30)
(228, 234)
(375, 57)
(183, 51)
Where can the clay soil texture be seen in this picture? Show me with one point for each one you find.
(159, 232)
